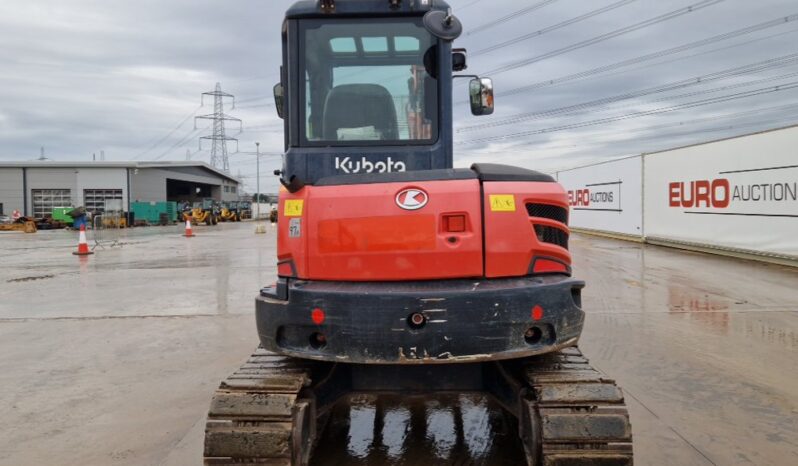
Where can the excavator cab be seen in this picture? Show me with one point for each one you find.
(368, 88)
(398, 272)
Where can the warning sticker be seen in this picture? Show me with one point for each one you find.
(295, 228)
(502, 203)
(293, 207)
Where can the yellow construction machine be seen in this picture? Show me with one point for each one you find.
(203, 212)
(229, 212)
(23, 224)
(244, 210)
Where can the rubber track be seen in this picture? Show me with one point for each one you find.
(254, 413)
(578, 414)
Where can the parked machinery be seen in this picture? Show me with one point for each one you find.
(244, 210)
(184, 210)
(22, 224)
(229, 212)
(206, 212)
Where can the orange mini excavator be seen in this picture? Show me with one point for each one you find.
(397, 272)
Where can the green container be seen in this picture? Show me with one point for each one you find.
(60, 214)
(171, 210)
(151, 211)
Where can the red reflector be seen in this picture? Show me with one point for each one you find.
(318, 316)
(545, 266)
(454, 223)
(537, 312)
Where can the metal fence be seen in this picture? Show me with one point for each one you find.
(107, 227)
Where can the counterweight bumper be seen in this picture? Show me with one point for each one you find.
(420, 322)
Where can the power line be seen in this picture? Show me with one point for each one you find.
(676, 59)
(182, 141)
(618, 32)
(778, 62)
(267, 104)
(468, 5)
(683, 123)
(654, 55)
(681, 58)
(638, 149)
(554, 27)
(253, 99)
(512, 15)
(702, 132)
(657, 111)
(263, 154)
(782, 120)
(169, 134)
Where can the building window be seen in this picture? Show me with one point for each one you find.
(94, 199)
(233, 189)
(45, 200)
(227, 189)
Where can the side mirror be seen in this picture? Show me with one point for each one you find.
(279, 100)
(480, 91)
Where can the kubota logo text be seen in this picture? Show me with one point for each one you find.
(364, 165)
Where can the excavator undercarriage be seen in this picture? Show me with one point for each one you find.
(272, 409)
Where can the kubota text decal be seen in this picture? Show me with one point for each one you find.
(364, 165)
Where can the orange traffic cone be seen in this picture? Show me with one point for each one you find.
(83, 245)
(189, 232)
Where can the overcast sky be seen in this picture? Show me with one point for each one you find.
(81, 76)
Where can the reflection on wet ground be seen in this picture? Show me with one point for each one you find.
(705, 348)
(218, 271)
(445, 429)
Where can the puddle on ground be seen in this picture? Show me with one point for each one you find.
(430, 430)
(711, 311)
(29, 279)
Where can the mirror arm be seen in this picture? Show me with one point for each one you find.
(472, 76)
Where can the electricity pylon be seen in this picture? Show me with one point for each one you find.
(219, 139)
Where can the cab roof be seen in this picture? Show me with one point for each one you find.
(312, 8)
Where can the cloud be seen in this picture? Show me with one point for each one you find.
(89, 75)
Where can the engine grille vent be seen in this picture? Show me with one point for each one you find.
(553, 212)
(547, 234)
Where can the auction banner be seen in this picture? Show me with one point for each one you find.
(739, 193)
(606, 196)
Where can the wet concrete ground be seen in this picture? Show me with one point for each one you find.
(112, 360)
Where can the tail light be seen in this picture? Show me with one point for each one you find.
(454, 223)
(544, 265)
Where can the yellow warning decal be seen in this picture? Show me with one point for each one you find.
(502, 203)
(293, 207)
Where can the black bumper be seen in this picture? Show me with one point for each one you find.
(463, 320)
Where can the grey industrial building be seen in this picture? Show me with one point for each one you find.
(36, 187)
